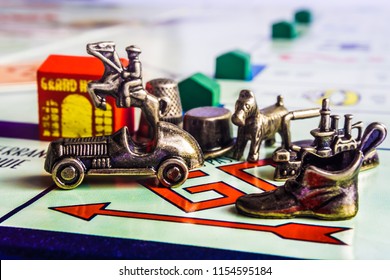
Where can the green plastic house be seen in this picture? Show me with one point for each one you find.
(235, 65)
(303, 17)
(198, 90)
(284, 30)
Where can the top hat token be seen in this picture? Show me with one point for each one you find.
(211, 127)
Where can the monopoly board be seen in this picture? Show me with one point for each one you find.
(344, 58)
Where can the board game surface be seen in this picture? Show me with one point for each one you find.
(343, 55)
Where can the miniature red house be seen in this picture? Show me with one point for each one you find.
(65, 108)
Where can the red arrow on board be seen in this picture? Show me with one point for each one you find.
(294, 231)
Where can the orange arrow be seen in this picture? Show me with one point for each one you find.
(294, 231)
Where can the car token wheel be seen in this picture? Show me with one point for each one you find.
(68, 173)
(172, 172)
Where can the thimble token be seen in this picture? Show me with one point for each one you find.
(168, 88)
(212, 128)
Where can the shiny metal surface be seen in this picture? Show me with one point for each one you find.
(329, 140)
(326, 187)
(167, 89)
(169, 155)
(124, 83)
(212, 128)
(170, 159)
(255, 125)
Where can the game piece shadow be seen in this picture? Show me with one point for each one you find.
(29, 182)
(45, 181)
